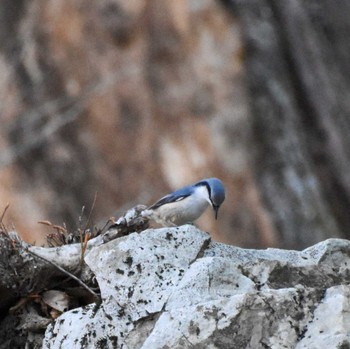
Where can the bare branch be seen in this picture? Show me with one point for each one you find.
(4, 212)
(67, 273)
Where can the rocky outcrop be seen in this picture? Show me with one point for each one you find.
(175, 288)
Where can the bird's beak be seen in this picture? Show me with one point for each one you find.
(216, 210)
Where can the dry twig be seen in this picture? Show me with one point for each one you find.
(2, 226)
(67, 273)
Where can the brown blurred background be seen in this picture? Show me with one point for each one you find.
(133, 99)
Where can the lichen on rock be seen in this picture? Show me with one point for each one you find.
(175, 288)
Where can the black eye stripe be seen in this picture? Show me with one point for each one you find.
(209, 189)
(205, 184)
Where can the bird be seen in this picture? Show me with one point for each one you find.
(187, 204)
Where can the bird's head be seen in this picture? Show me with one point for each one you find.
(216, 192)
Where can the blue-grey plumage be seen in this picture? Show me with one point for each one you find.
(187, 204)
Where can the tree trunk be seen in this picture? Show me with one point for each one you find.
(297, 62)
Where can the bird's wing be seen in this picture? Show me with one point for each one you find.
(173, 197)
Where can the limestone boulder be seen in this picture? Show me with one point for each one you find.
(175, 288)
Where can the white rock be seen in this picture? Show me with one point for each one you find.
(173, 288)
(139, 272)
(330, 327)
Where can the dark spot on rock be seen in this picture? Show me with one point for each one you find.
(159, 276)
(120, 271)
(168, 236)
(109, 317)
(302, 333)
(130, 292)
(258, 285)
(143, 301)
(128, 261)
(84, 341)
(114, 341)
(344, 345)
(131, 273)
(101, 343)
(138, 268)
